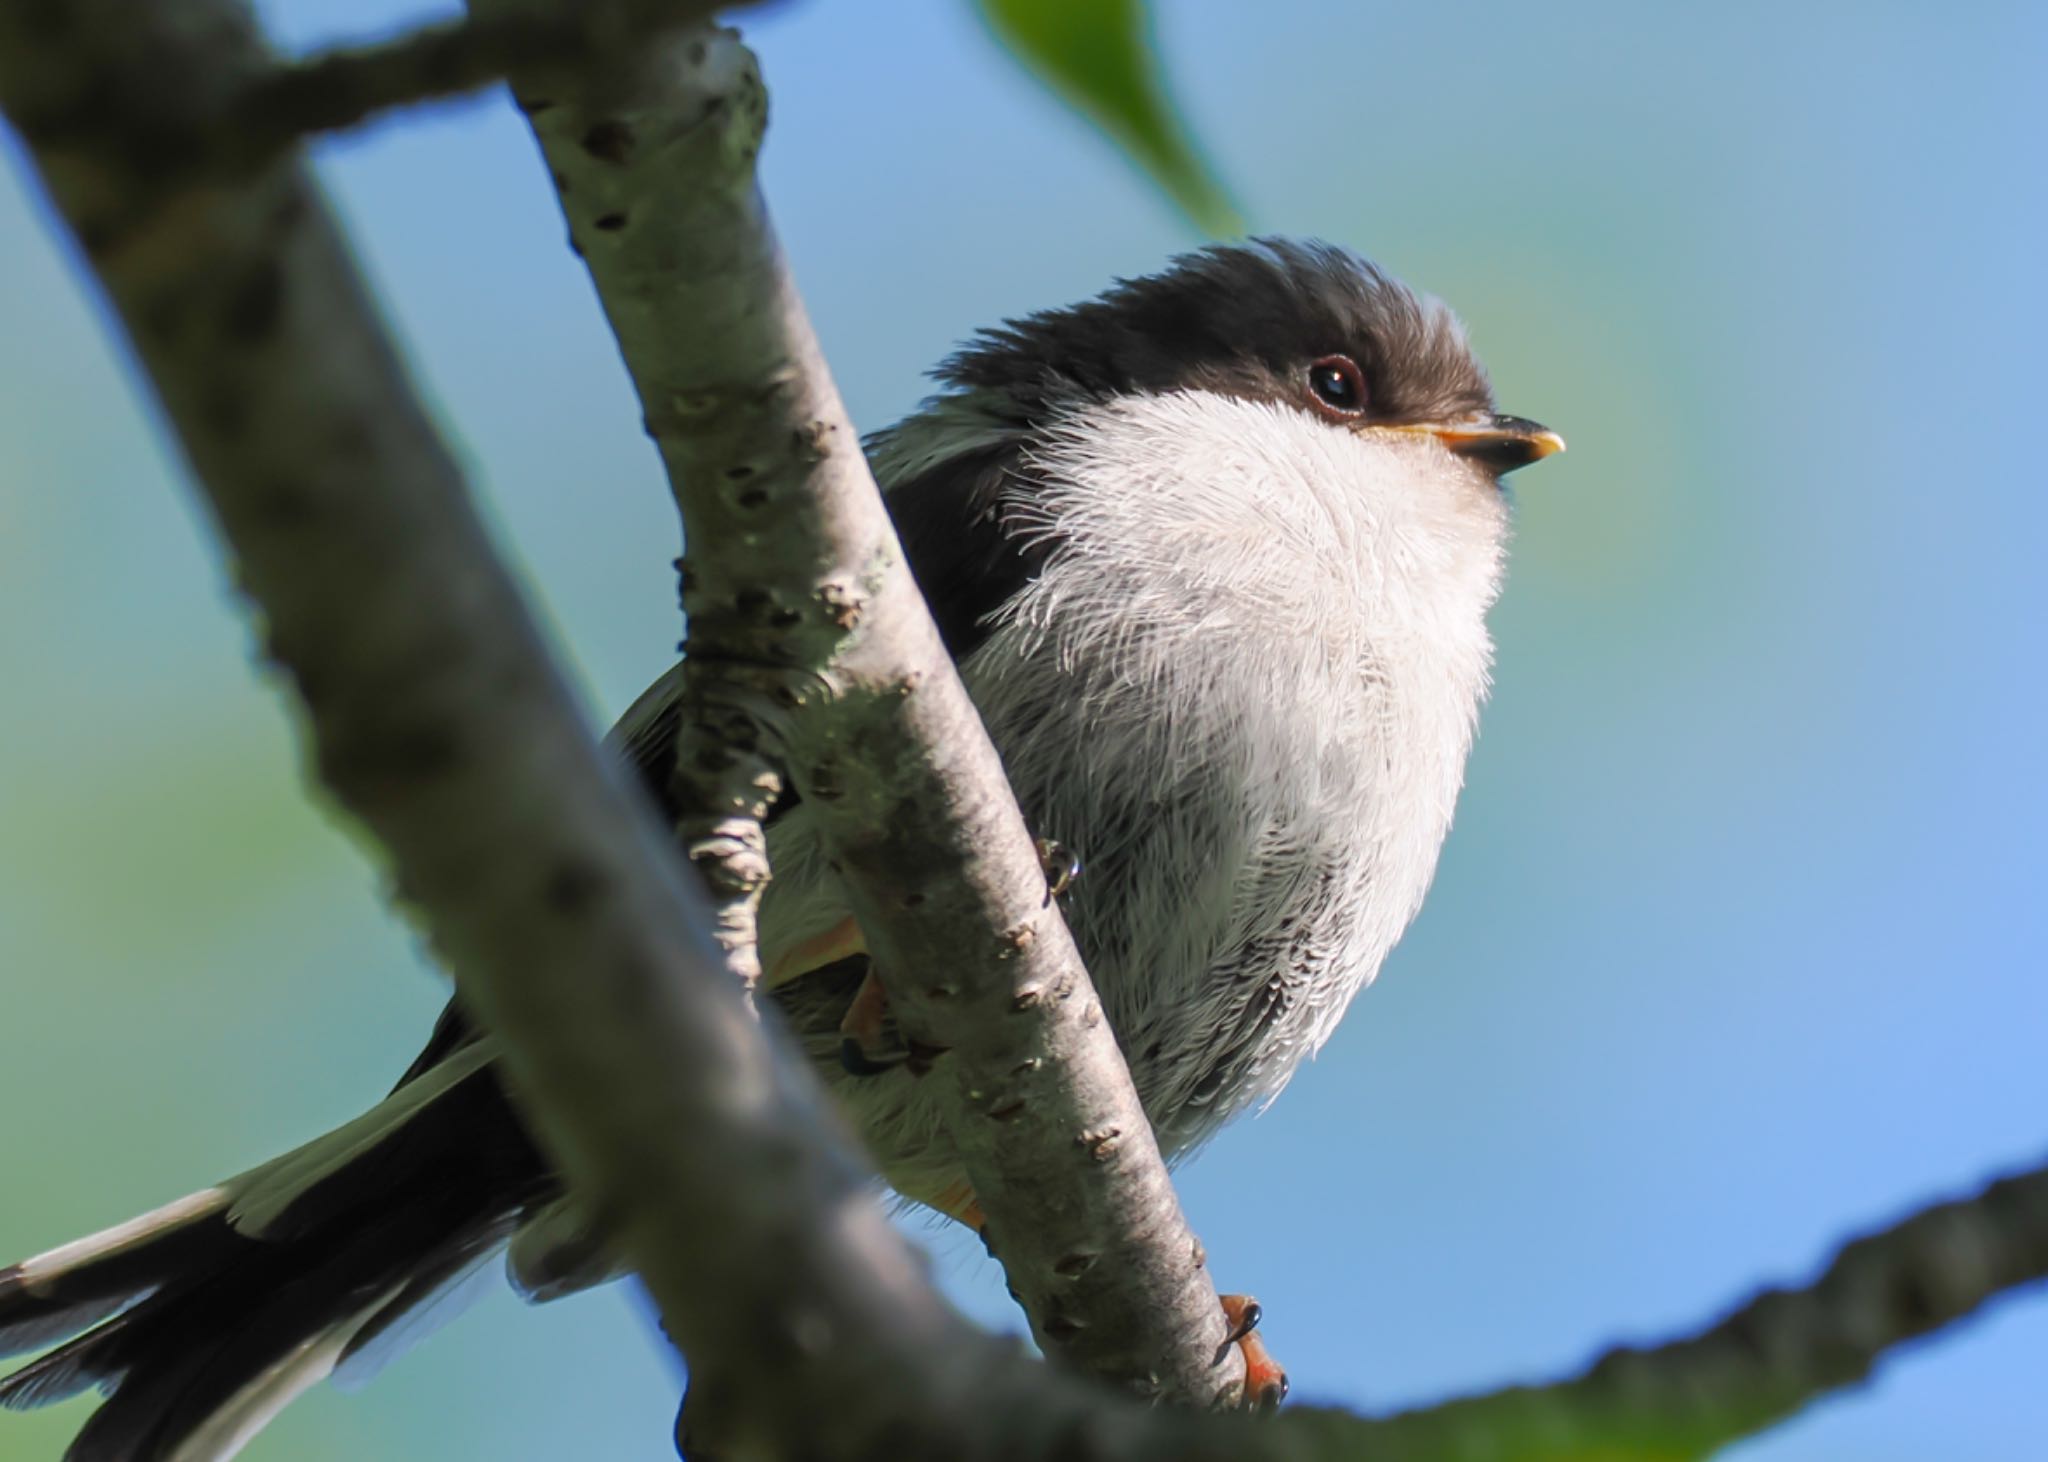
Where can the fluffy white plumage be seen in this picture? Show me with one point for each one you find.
(1243, 687)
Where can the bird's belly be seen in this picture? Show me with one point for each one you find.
(1244, 875)
(1245, 869)
(1224, 932)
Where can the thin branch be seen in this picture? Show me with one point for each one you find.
(253, 113)
(1764, 1362)
(344, 87)
(809, 641)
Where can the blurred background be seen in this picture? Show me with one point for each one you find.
(1739, 945)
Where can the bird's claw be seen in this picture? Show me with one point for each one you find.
(863, 1050)
(1265, 1380)
(1249, 1313)
(1061, 865)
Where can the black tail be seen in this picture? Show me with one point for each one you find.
(210, 1314)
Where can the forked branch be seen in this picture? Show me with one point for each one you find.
(810, 650)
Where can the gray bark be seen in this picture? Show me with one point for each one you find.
(810, 648)
(438, 720)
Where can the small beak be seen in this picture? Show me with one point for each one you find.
(1499, 443)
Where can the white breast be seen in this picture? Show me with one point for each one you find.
(1243, 689)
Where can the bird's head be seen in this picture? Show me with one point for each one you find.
(1306, 327)
(1271, 415)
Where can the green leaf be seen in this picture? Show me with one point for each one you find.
(1098, 56)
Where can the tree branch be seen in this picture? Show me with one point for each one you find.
(344, 87)
(809, 641)
(249, 119)
(438, 720)
(1766, 1361)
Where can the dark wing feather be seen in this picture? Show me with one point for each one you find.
(954, 519)
(964, 549)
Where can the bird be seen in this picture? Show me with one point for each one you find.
(1214, 551)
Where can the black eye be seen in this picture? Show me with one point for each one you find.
(1336, 387)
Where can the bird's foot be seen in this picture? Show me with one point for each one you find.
(1061, 864)
(1265, 1381)
(864, 1047)
(1264, 1377)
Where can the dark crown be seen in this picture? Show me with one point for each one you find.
(1243, 320)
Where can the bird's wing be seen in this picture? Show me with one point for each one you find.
(951, 495)
(966, 550)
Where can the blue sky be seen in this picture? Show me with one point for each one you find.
(1738, 946)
